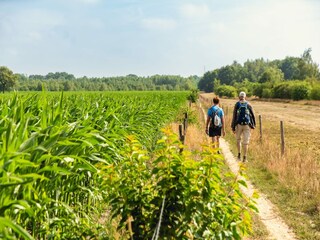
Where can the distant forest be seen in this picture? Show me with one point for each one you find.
(290, 78)
(62, 81)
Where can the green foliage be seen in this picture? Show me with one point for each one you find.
(259, 77)
(267, 93)
(315, 92)
(67, 82)
(283, 90)
(54, 148)
(198, 198)
(206, 82)
(300, 91)
(226, 91)
(194, 95)
(271, 75)
(7, 78)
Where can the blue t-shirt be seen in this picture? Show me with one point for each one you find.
(220, 113)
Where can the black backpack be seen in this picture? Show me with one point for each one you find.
(243, 113)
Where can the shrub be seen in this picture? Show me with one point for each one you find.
(192, 197)
(193, 95)
(267, 93)
(282, 90)
(226, 91)
(257, 90)
(301, 91)
(315, 93)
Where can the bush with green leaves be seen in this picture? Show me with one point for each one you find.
(226, 91)
(300, 90)
(282, 90)
(194, 95)
(267, 93)
(315, 92)
(169, 194)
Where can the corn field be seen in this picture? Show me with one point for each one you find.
(65, 158)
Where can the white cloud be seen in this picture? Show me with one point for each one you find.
(195, 10)
(158, 24)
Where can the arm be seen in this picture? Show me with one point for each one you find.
(223, 125)
(234, 118)
(253, 118)
(207, 122)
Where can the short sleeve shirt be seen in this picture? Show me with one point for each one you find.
(214, 109)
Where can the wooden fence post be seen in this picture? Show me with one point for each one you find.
(260, 126)
(282, 138)
(185, 123)
(181, 136)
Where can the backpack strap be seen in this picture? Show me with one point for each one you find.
(214, 112)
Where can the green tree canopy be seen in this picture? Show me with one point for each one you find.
(7, 78)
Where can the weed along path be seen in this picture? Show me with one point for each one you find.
(267, 212)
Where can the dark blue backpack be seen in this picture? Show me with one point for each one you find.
(243, 113)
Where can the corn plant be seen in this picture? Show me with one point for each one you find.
(53, 147)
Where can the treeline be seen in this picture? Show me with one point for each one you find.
(62, 81)
(291, 78)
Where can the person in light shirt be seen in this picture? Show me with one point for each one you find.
(243, 121)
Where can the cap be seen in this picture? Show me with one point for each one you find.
(242, 94)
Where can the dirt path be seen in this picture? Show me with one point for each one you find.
(296, 114)
(267, 211)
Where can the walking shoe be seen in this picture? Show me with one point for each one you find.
(245, 159)
(239, 157)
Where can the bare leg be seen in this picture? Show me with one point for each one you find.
(217, 141)
(239, 146)
(245, 149)
(214, 142)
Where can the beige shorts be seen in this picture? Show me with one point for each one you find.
(243, 131)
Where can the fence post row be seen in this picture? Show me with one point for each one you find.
(282, 140)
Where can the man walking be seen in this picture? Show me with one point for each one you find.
(215, 125)
(242, 121)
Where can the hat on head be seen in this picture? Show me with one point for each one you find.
(242, 94)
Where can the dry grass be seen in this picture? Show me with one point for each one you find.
(297, 169)
(291, 181)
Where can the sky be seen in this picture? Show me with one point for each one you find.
(97, 38)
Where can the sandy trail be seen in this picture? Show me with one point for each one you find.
(296, 114)
(267, 211)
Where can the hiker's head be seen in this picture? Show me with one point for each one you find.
(242, 95)
(216, 100)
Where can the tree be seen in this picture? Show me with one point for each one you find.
(271, 75)
(7, 78)
(206, 82)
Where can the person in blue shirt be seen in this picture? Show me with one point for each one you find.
(215, 124)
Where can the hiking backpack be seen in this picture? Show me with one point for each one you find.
(215, 119)
(243, 113)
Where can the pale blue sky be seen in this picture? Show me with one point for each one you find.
(120, 37)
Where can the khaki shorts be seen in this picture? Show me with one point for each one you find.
(244, 132)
